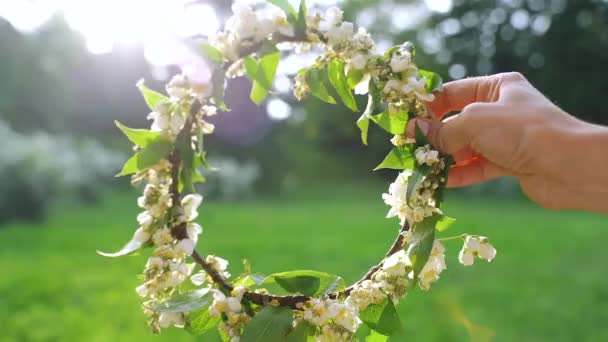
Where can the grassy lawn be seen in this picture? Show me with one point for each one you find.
(548, 282)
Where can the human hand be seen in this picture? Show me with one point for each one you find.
(507, 127)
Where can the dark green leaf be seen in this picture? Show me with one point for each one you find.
(338, 80)
(382, 317)
(421, 139)
(287, 8)
(399, 158)
(317, 86)
(444, 223)
(186, 153)
(148, 156)
(139, 137)
(421, 243)
(363, 124)
(187, 301)
(433, 80)
(200, 321)
(210, 53)
(270, 324)
(416, 179)
(300, 332)
(130, 248)
(151, 97)
(394, 124)
(306, 282)
(265, 73)
(300, 27)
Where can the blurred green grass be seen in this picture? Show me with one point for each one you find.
(548, 281)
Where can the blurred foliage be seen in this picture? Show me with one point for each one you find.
(36, 168)
(51, 83)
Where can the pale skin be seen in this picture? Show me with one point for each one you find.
(508, 128)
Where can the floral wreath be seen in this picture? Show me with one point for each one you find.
(168, 157)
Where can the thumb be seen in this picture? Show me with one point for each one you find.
(448, 136)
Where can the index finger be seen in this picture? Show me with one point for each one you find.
(458, 94)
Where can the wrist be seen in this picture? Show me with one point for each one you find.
(590, 156)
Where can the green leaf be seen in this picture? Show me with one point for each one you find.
(314, 78)
(375, 336)
(421, 243)
(210, 53)
(306, 282)
(218, 81)
(421, 139)
(200, 321)
(251, 279)
(186, 153)
(151, 97)
(433, 80)
(300, 332)
(399, 158)
(374, 98)
(251, 67)
(300, 26)
(130, 248)
(382, 317)
(415, 180)
(444, 223)
(394, 124)
(353, 77)
(287, 8)
(148, 156)
(270, 324)
(187, 301)
(265, 73)
(338, 80)
(363, 124)
(139, 137)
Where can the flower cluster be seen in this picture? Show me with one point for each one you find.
(434, 266)
(476, 246)
(337, 320)
(231, 310)
(421, 205)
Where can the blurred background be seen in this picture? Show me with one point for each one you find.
(295, 188)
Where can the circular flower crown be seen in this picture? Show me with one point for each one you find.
(169, 155)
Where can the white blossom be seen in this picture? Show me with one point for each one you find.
(397, 264)
(476, 247)
(358, 61)
(193, 230)
(418, 88)
(190, 204)
(400, 63)
(168, 319)
(141, 236)
(185, 246)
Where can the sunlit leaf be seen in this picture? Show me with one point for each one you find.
(152, 98)
(382, 317)
(265, 73)
(186, 302)
(209, 52)
(200, 321)
(363, 124)
(314, 78)
(147, 156)
(300, 27)
(307, 282)
(338, 80)
(433, 80)
(270, 324)
(300, 332)
(399, 158)
(392, 123)
(444, 223)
